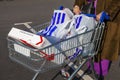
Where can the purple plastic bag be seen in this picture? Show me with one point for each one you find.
(101, 68)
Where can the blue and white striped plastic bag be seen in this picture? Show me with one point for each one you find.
(83, 24)
(57, 28)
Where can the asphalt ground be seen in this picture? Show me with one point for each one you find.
(37, 12)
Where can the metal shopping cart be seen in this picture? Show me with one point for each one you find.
(56, 57)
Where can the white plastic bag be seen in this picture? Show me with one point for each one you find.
(83, 24)
(60, 25)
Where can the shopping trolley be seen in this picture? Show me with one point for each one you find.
(57, 53)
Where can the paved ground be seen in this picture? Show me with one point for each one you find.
(36, 11)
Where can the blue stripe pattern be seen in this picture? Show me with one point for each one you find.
(63, 17)
(76, 54)
(57, 18)
(78, 20)
(52, 30)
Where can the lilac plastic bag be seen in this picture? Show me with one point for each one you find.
(101, 67)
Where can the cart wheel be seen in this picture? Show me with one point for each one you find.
(65, 74)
